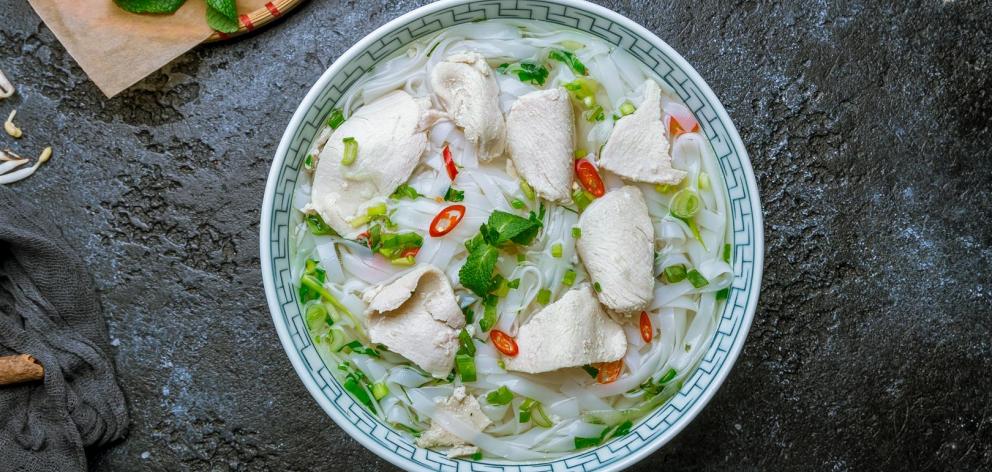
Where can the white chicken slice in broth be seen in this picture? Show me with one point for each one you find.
(467, 89)
(390, 143)
(417, 316)
(617, 249)
(638, 148)
(571, 332)
(463, 407)
(540, 132)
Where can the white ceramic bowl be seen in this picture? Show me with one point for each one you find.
(650, 432)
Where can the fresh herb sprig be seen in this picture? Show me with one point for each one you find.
(222, 15)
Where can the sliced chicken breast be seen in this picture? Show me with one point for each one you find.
(417, 316)
(638, 147)
(540, 133)
(467, 89)
(617, 249)
(390, 144)
(571, 332)
(466, 409)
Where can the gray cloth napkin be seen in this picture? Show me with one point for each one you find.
(49, 309)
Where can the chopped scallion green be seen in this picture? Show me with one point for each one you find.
(405, 191)
(490, 316)
(317, 226)
(403, 261)
(704, 181)
(527, 190)
(466, 346)
(597, 287)
(521, 258)
(580, 153)
(556, 250)
(378, 209)
(465, 364)
(685, 204)
(675, 273)
(309, 162)
(576, 232)
(350, 151)
(518, 203)
(627, 108)
(453, 195)
(379, 390)
(663, 188)
(514, 284)
(696, 279)
(569, 278)
(335, 119)
(723, 294)
(669, 375)
(582, 198)
(544, 296)
(728, 251)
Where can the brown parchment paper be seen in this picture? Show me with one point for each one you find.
(116, 48)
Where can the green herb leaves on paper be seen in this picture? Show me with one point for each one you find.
(150, 6)
(222, 15)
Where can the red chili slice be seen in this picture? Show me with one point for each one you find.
(647, 331)
(412, 252)
(449, 163)
(446, 220)
(504, 343)
(609, 371)
(365, 236)
(589, 177)
(675, 129)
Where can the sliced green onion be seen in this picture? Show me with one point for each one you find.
(540, 418)
(317, 225)
(503, 288)
(576, 232)
(582, 443)
(469, 315)
(518, 203)
(668, 376)
(357, 347)
(359, 221)
(308, 162)
(403, 261)
(704, 181)
(379, 390)
(466, 367)
(378, 209)
(675, 273)
(728, 251)
(490, 316)
(663, 188)
(723, 294)
(477, 456)
(336, 118)
(514, 284)
(526, 408)
(544, 296)
(696, 279)
(500, 396)
(521, 258)
(500, 363)
(589, 101)
(556, 250)
(582, 87)
(596, 114)
(623, 429)
(466, 346)
(527, 190)
(350, 151)
(355, 389)
(685, 204)
(627, 108)
(316, 314)
(569, 278)
(582, 198)
(580, 153)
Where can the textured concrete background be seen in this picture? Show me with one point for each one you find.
(869, 132)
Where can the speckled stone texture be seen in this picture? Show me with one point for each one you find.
(868, 128)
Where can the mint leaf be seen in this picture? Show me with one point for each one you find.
(477, 273)
(510, 227)
(150, 6)
(221, 22)
(535, 74)
(224, 7)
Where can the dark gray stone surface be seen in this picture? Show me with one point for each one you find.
(868, 127)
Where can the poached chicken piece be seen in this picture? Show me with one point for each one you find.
(467, 89)
(617, 249)
(390, 144)
(638, 148)
(571, 332)
(463, 407)
(417, 317)
(540, 132)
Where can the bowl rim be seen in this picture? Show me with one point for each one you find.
(351, 53)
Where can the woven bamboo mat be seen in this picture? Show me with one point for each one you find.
(256, 19)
